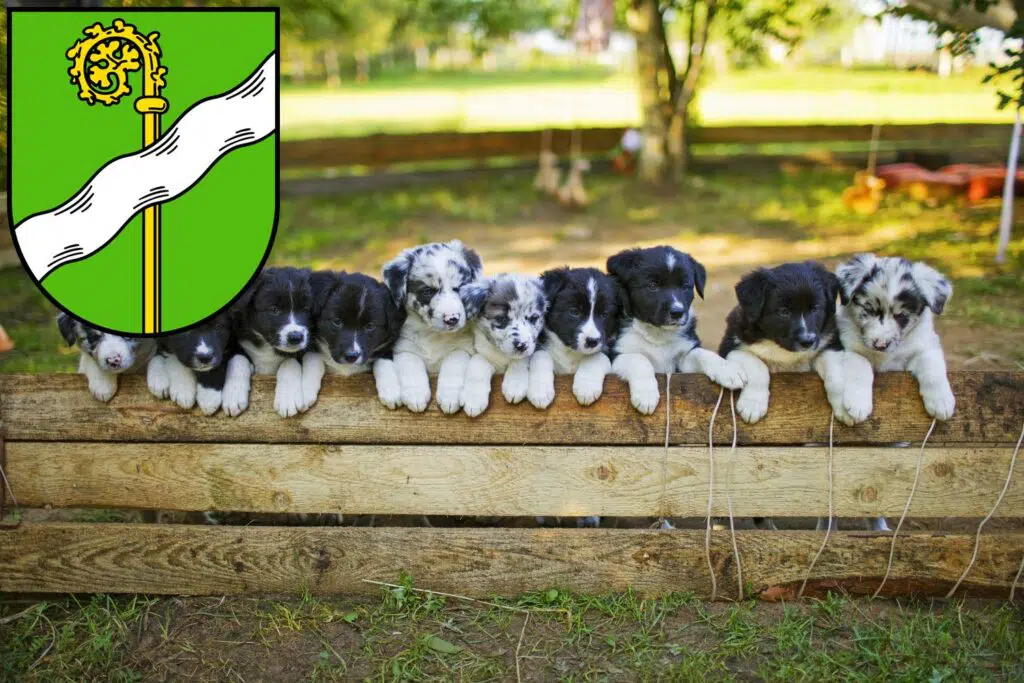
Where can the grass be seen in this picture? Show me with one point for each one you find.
(404, 635)
(590, 96)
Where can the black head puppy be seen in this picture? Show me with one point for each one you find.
(357, 324)
(659, 329)
(200, 366)
(272, 323)
(104, 356)
(785, 322)
(581, 325)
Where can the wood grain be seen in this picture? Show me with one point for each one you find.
(384, 150)
(990, 409)
(508, 480)
(189, 560)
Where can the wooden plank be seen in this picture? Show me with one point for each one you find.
(190, 560)
(508, 480)
(382, 150)
(990, 409)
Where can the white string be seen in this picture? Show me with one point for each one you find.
(906, 509)
(664, 460)
(828, 528)
(711, 494)
(7, 485)
(1016, 579)
(728, 498)
(977, 535)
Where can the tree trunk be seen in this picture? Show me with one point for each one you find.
(656, 79)
(331, 67)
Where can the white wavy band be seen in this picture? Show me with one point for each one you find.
(127, 185)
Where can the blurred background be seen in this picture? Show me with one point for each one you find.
(548, 132)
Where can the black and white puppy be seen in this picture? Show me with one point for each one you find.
(786, 322)
(356, 326)
(432, 282)
(659, 328)
(887, 320)
(580, 328)
(272, 324)
(104, 356)
(505, 336)
(202, 366)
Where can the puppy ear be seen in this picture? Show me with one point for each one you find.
(323, 283)
(700, 276)
(66, 325)
(622, 295)
(933, 285)
(473, 297)
(396, 274)
(472, 258)
(553, 281)
(619, 265)
(852, 273)
(750, 293)
(829, 281)
(393, 313)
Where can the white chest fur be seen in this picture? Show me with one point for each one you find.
(432, 346)
(662, 347)
(779, 359)
(343, 369)
(264, 358)
(565, 360)
(483, 346)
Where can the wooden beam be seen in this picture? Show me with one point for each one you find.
(198, 560)
(990, 409)
(508, 480)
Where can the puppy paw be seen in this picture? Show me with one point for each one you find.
(644, 395)
(156, 377)
(183, 392)
(727, 374)
(416, 397)
(857, 403)
(541, 392)
(939, 403)
(587, 387)
(752, 404)
(288, 397)
(515, 386)
(103, 387)
(389, 392)
(449, 399)
(475, 397)
(235, 400)
(208, 400)
(590, 522)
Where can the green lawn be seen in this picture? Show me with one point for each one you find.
(475, 101)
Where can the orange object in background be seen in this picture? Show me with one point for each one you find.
(5, 341)
(865, 195)
(975, 181)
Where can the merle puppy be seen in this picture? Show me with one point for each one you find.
(659, 329)
(887, 320)
(104, 356)
(357, 324)
(272, 324)
(432, 283)
(506, 334)
(786, 322)
(580, 328)
(202, 366)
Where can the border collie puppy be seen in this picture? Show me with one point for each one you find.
(432, 283)
(104, 356)
(357, 324)
(271, 322)
(201, 366)
(887, 319)
(659, 330)
(786, 322)
(505, 336)
(579, 330)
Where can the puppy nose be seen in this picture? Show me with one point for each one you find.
(676, 312)
(806, 339)
(451, 320)
(519, 345)
(880, 345)
(113, 361)
(295, 337)
(350, 356)
(204, 356)
(591, 342)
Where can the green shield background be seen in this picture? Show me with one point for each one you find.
(216, 235)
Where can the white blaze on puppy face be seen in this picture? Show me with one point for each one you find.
(589, 328)
(293, 335)
(513, 314)
(113, 353)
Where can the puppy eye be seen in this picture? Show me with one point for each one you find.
(533, 319)
(370, 327)
(784, 312)
(652, 285)
(574, 312)
(274, 310)
(429, 291)
(338, 321)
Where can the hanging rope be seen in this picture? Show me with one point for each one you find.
(664, 460)
(977, 535)
(1016, 579)
(711, 495)
(906, 509)
(728, 498)
(828, 528)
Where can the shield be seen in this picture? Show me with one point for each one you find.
(143, 159)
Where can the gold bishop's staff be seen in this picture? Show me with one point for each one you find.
(101, 63)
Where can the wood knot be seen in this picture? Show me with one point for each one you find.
(607, 473)
(281, 500)
(870, 495)
(942, 469)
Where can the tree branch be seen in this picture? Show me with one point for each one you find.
(695, 61)
(999, 15)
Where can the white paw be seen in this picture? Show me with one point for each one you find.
(156, 377)
(448, 398)
(288, 391)
(541, 392)
(208, 399)
(752, 404)
(587, 387)
(877, 524)
(389, 392)
(857, 403)
(475, 397)
(235, 399)
(727, 374)
(103, 387)
(644, 395)
(183, 390)
(940, 403)
(515, 386)
(416, 397)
